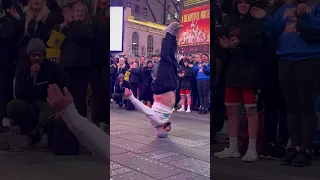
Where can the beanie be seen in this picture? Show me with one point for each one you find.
(36, 44)
(121, 76)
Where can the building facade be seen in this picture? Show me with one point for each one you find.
(157, 11)
(141, 38)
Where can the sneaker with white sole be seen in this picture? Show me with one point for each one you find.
(188, 110)
(181, 110)
(6, 122)
(250, 157)
(227, 153)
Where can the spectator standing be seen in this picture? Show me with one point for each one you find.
(243, 37)
(146, 92)
(185, 74)
(134, 77)
(100, 22)
(294, 25)
(203, 82)
(76, 53)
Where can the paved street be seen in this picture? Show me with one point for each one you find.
(41, 164)
(230, 169)
(136, 153)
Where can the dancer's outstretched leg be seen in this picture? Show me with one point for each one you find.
(164, 84)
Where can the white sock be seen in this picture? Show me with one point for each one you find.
(188, 106)
(233, 144)
(182, 106)
(252, 147)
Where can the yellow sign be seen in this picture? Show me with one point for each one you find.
(56, 39)
(187, 3)
(127, 75)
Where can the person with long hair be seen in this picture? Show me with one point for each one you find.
(36, 23)
(100, 54)
(76, 53)
(203, 82)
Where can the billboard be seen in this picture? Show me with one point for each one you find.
(194, 36)
(116, 28)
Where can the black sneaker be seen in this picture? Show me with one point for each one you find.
(266, 151)
(200, 111)
(31, 140)
(204, 111)
(289, 156)
(120, 105)
(302, 159)
(277, 152)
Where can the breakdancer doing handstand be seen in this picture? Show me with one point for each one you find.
(164, 85)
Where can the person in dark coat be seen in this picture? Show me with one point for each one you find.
(100, 55)
(134, 77)
(113, 75)
(147, 93)
(76, 53)
(120, 86)
(186, 75)
(8, 25)
(33, 76)
(243, 36)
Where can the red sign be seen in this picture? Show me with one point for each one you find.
(195, 33)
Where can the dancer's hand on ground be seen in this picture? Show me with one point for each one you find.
(58, 101)
(127, 92)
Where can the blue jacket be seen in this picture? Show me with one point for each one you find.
(291, 46)
(205, 75)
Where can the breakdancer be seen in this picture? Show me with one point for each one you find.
(164, 85)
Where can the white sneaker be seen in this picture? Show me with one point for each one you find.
(227, 153)
(6, 122)
(188, 110)
(250, 157)
(181, 110)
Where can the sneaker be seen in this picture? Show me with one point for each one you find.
(273, 152)
(302, 159)
(6, 122)
(227, 153)
(200, 111)
(31, 140)
(181, 110)
(204, 111)
(250, 157)
(289, 156)
(188, 110)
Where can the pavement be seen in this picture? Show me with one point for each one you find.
(136, 152)
(231, 169)
(40, 164)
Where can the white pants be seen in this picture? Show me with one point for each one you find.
(157, 115)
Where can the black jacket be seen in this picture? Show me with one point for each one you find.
(113, 73)
(244, 66)
(101, 41)
(7, 36)
(186, 80)
(76, 48)
(134, 75)
(147, 78)
(50, 73)
(119, 89)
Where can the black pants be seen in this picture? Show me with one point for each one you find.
(167, 76)
(218, 107)
(195, 95)
(203, 89)
(3, 84)
(80, 79)
(298, 82)
(275, 112)
(99, 103)
(135, 87)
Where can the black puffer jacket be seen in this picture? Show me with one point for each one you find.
(76, 48)
(186, 80)
(134, 77)
(244, 68)
(7, 35)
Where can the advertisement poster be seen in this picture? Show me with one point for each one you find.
(194, 37)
